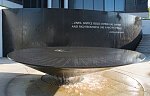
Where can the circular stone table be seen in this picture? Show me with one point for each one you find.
(74, 61)
(68, 69)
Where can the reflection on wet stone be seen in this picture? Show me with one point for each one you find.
(110, 83)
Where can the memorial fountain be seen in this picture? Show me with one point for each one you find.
(77, 71)
(80, 67)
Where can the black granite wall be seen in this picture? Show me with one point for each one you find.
(25, 28)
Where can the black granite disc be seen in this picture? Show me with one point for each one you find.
(76, 57)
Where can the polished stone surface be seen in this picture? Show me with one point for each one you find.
(74, 61)
(38, 27)
(76, 57)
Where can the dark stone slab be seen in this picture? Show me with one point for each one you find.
(35, 27)
(70, 57)
(74, 60)
(12, 30)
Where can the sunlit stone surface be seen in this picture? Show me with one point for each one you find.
(106, 83)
